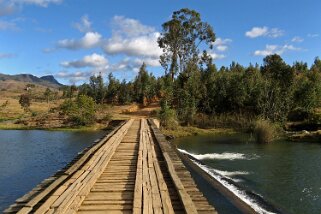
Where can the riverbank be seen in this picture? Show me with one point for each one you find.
(184, 131)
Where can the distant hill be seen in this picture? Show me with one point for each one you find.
(12, 80)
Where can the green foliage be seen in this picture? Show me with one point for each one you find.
(167, 116)
(144, 86)
(68, 91)
(181, 39)
(81, 111)
(25, 101)
(307, 94)
(112, 89)
(95, 89)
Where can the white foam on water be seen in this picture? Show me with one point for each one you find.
(234, 189)
(222, 156)
(229, 173)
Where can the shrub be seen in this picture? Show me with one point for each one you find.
(264, 131)
(81, 111)
(25, 101)
(168, 117)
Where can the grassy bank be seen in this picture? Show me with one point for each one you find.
(190, 131)
(13, 126)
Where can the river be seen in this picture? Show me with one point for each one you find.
(28, 157)
(286, 174)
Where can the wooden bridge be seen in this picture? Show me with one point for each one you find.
(131, 170)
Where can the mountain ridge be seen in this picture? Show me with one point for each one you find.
(47, 80)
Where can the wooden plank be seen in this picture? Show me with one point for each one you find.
(38, 197)
(189, 205)
(137, 203)
(147, 203)
(166, 201)
(91, 170)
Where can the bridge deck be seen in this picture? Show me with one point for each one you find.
(131, 170)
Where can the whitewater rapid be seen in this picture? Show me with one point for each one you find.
(223, 176)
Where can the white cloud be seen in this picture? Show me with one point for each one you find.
(134, 46)
(74, 77)
(216, 56)
(222, 48)
(256, 32)
(297, 39)
(154, 62)
(222, 44)
(5, 25)
(90, 40)
(132, 38)
(135, 42)
(94, 60)
(84, 25)
(275, 49)
(130, 27)
(265, 32)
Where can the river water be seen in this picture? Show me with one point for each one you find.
(28, 157)
(286, 174)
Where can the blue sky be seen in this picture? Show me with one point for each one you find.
(73, 39)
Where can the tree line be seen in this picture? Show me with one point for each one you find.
(192, 87)
(192, 84)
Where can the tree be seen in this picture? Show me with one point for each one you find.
(25, 102)
(112, 89)
(278, 90)
(48, 95)
(125, 92)
(181, 39)
(68, 91)
(316, 65)
(97, 88)
(145, 86)
(81, 111)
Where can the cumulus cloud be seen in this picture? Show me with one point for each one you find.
(129, 37)
(264, 32)
(93, 60)
(132, 38)
(275, 49)
(135, 42)
(145, 45)
(297, 39)
(74, 77)
(130, 27)
(84, 25)
(89, 40)
(222, 44)
(216, 56)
